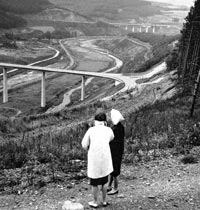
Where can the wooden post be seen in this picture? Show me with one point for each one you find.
(196, 87)
(153, 29)
(43, 101)
(83, 88)
(5, 86)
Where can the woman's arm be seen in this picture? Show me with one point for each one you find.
(111, 135)
(86, 141)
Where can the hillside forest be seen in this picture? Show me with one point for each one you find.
(186, 55)
(11, 11)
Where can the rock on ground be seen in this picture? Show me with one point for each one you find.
(69, 205)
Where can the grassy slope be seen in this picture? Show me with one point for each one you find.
(110, 9)
(8, 20)
(23, 6)
(11, 10)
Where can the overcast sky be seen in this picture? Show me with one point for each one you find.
(177, 2)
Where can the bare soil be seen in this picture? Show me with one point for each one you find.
(27, 51)
(159, 184)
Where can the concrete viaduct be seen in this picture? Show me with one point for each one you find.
(83, 74)
(146, 27)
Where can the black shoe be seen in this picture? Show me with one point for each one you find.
(105, 204)
(109, 189)
(112, 192)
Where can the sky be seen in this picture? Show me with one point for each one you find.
(177, 2)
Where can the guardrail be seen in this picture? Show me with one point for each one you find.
(5, 66)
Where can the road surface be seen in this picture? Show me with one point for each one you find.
(129, 81)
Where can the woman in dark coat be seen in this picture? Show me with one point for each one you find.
(117, 150)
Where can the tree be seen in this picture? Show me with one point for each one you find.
(188, 53)
(47, 35)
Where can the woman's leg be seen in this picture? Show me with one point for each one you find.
(115, 188)
(104, 192)
(95, 193)
(94, 203)
(110, 180)
(115, 183)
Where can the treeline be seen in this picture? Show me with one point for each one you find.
(99, 28)
(186, 57)
(9, 39)
(23, 6)
(161, 48)
(8, 20)
(10, 11)
(114, 9)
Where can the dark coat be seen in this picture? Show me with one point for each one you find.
(117, 147)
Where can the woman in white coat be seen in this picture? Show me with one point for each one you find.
(96, 141)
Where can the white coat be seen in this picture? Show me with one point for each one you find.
(96, 140)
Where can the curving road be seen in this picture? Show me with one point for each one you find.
(19, 79)
(129, 81)
(38, 62)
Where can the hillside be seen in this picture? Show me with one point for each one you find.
(9, 20)
(112, 10)
(11, 11)
(54, 15)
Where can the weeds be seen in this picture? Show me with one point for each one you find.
(35, 159)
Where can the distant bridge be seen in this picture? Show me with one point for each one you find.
(145, 27)
(138, 27)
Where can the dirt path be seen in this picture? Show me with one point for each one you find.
(161, 184)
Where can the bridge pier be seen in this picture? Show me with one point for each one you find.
(43, 95)
(5, 86)
(83, 88)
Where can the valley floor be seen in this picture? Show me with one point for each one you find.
(160, 184)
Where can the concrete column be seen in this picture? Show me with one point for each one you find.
(153, 29)
(126, 28)
(147, 29)
(43, 101)
(83, 88)
(140, 29)
(5, 86)
(133, 29)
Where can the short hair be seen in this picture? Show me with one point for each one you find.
(100, 117)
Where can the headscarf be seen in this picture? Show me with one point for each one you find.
(116, 116)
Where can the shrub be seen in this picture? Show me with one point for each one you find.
(189, 159)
